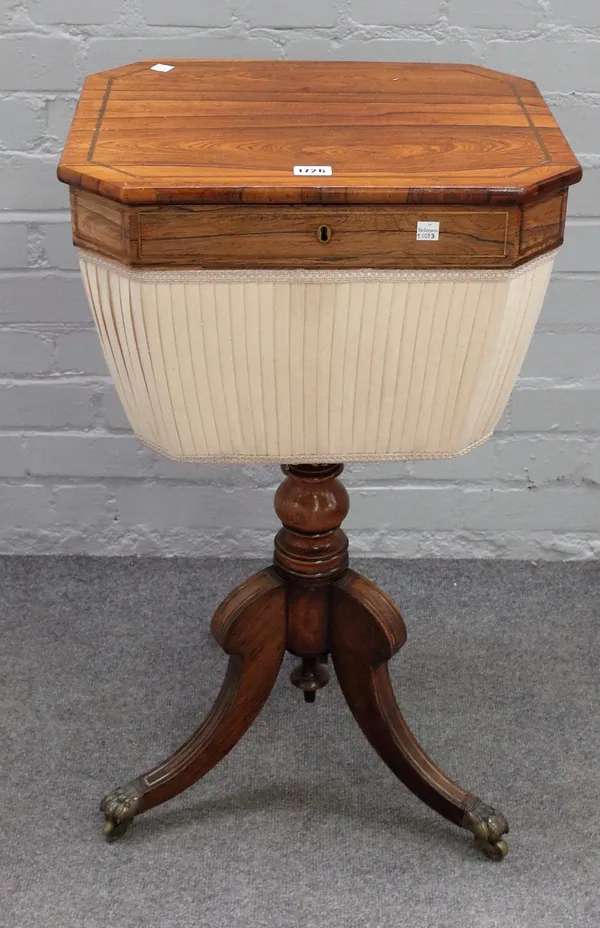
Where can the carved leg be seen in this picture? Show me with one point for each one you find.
(250, 626)
(366, 631)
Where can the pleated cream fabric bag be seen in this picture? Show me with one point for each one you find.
(314, 365)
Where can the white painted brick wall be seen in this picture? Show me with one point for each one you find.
(307, 14)
(38, 62)
(388, 13)
(76, 12)
(21, 122)
(585, 197)
(517, 15)
(184, 13)
(13, 247)
(72, 479)
(25, 352)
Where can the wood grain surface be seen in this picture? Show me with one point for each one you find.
(366, 631)
(231, 132)
(250, 627)
(311, 604)
(289, 236)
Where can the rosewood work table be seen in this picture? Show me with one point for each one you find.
(312, 263)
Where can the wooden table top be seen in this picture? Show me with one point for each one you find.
(225, 132)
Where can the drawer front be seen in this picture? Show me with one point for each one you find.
(297, 236)
(316, 237)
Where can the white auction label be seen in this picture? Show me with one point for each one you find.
(162, 67)
(313, 169)
(428, 231)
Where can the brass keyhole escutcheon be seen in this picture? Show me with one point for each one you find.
(324, 234)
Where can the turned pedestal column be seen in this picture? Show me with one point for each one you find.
(313, 605)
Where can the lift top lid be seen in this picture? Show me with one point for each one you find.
(221, 131)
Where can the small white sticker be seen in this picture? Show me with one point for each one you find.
(162, 67)
(313, 169)
(428, 231)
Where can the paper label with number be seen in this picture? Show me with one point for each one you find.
(428, 231)
(313, 169)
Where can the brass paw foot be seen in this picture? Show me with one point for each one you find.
(488, 826)
(120, 807)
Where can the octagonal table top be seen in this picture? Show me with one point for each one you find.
(301, 132)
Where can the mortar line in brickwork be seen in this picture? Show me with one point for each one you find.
(24, 215)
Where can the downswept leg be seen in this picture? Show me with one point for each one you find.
(366, 631)
(250, 626)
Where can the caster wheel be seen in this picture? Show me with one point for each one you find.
(496, 850)
(115, 830)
